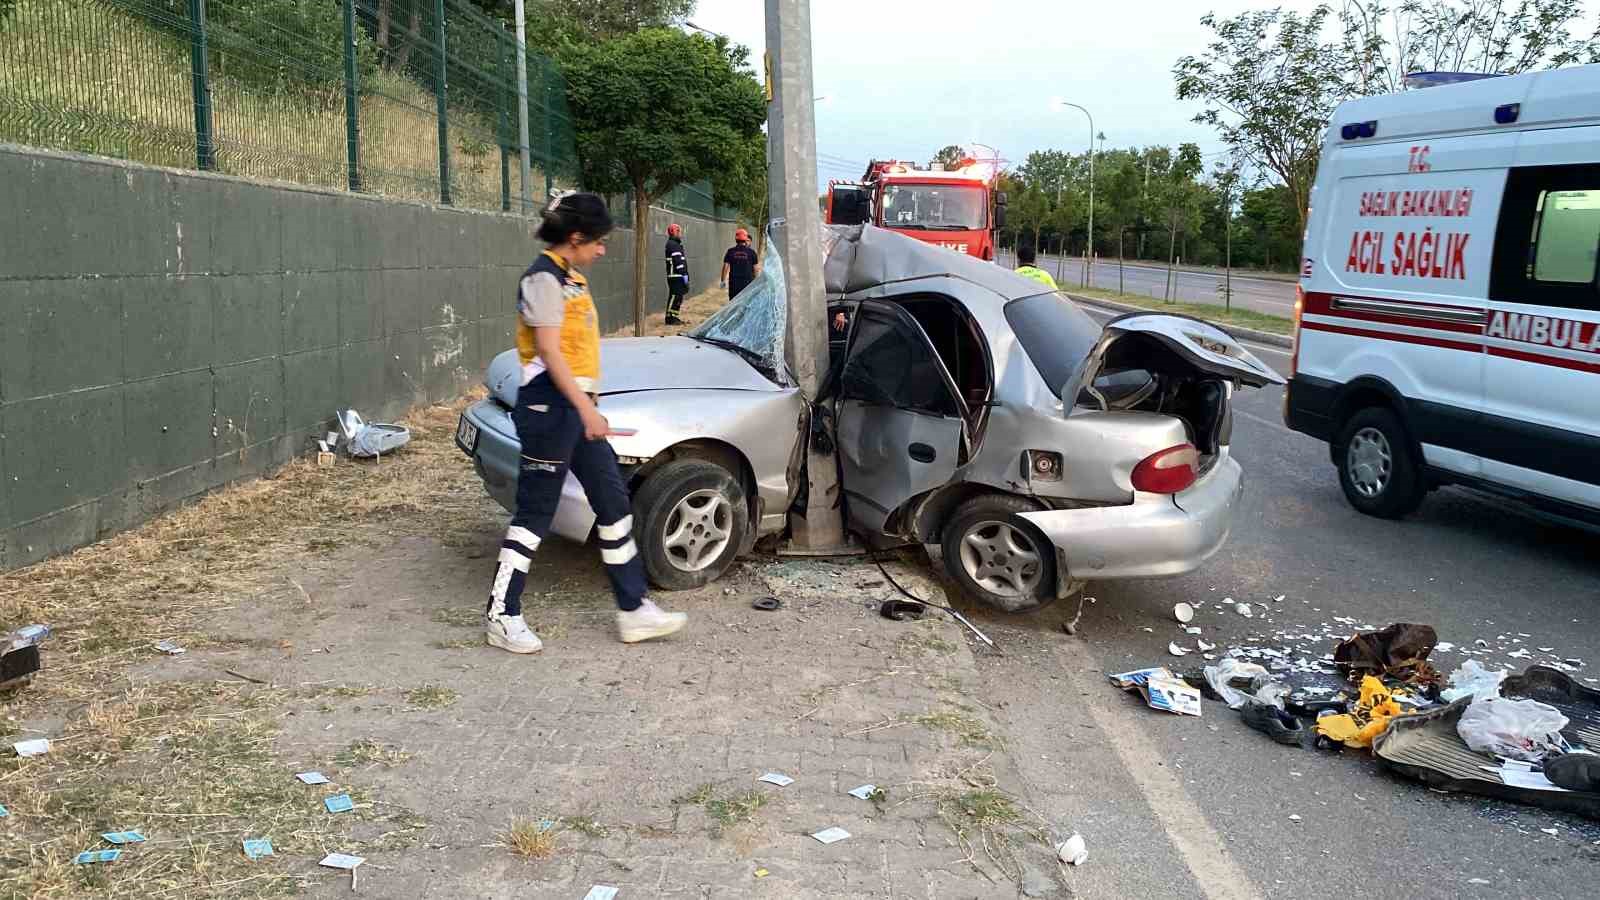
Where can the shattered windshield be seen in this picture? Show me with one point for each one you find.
(752, 323)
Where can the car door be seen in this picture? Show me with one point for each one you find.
(902, 428)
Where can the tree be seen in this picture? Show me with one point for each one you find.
(948, 157)
(1269, 84)
(744, 187)
(658, 109)
(552, 24)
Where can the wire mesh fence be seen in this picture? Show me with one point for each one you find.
(415, 99)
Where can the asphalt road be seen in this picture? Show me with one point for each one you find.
(1266, 295)
(1183, 807)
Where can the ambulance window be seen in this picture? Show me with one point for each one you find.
(1566, 237)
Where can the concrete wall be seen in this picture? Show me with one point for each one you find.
(165, 332)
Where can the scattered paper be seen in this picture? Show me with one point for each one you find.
(4, 812)
(1136, 678)
(1444, 646)
(35, 747)
(1191, 629)
(341, 861)
(1524, 778)
(171, 648)
(830, 835)
(255, 848)
(601, 892)
(123, 837)
(1175, 650)
(864, 792)
(339, 803)
(1172, 695)
(777, 778)
(1073, 851)
(96, 856)
(311, 777)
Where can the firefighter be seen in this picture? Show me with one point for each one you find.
(1025, 267)
(740, 265)
(561, 429)
(677, 274)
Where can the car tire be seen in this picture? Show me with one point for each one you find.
(690, 522)
(1377, 469)
(998, 558)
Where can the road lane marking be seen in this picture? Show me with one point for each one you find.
(1204, 852)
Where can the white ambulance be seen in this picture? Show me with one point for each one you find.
(1448, 320)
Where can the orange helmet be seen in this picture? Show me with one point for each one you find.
(742, 236)
(675, 229)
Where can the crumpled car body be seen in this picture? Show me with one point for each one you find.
(995, 423)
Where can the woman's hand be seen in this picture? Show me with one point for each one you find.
(595, 426)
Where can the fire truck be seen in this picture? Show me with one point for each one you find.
(956, 207)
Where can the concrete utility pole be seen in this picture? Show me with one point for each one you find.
(796, 225)
(522, 109)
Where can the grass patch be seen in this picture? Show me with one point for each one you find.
(431, 696)
(1244, 318)
(970, 730)
(587, 826)
(530, 838)
(371, 753)
(342, 690)
(725, 810)
(457, 617)
(914, 644)
(457, 644)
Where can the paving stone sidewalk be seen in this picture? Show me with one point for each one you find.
(645, 759)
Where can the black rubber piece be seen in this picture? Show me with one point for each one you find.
(901, 610)
(1273, 722)
(767, 604)
(1574, 771)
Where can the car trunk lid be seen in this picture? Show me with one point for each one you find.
(1197, 348)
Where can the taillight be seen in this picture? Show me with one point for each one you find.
(1168, 472)
(1299, 307)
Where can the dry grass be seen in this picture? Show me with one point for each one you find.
(531, 838)
(97, 80)
(431, 696)
(725, 810)
(191, 763)
(369, 753)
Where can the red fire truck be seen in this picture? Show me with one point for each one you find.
(956, 207)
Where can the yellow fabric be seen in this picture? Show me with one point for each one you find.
(1370, 718)
(580, 329)
(1037, 274)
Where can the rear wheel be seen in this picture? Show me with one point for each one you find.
(1377, 469)
(691, 521)
(997, 557)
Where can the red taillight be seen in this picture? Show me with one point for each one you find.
(1299, 308)
(1168, 472)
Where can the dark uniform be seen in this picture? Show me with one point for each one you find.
(677, 279)
(741, 261)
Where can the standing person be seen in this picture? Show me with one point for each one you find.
(740, 265)
(677, 273)
(1026, 257)
(560, 427)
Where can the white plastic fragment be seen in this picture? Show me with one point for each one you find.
(777, 778)
(863, 792)
(601, 892)
(1246, 611)
(341, 861)
(831, 835)
(1294, 818)
(170, 647)
(1205, 645)
(1279, 598)
(1191, 629)
(1175, 650)
(35, 747)
(1073, 851)
(1444, 646)
(1553, 832)
(1183, 612)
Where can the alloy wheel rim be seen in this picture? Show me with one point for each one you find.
(1002, 559)
(698, 530)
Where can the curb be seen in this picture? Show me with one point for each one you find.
(1260, 337)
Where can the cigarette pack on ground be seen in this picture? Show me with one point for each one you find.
(1136, 679)
(1171, 695)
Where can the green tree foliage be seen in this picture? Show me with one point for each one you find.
(744, 187)
(278, 45)
(948, 156)
(657, 109)
(553, 24)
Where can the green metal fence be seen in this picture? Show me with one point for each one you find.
(406, 98)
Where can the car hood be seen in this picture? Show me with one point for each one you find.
(1204, 348)
(646, 364)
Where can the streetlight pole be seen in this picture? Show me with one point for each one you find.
(1088, 253)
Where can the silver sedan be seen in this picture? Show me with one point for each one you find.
(997, 425)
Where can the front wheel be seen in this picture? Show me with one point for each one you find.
(1377, 469)
(691, 521)
(997, 557)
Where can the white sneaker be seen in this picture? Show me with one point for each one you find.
(510, 633)
(648, 621)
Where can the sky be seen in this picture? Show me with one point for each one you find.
(906, 79)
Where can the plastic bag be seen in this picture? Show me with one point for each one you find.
(1229, 669)
(1473, 680)
(1516, 729)
(367, 441)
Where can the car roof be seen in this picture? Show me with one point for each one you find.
(859, 257)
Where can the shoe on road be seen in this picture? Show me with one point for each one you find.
(1273, 722)
(511, 633)
(647, 622)
(1574, 771)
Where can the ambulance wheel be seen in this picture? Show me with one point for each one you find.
(690, 521)
(1377, 469)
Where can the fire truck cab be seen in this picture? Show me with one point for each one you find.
(956, 208)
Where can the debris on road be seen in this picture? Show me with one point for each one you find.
(777, 778)
(1473, 680)
(1366, 720)
(339, 803)
(88, 857)
(341, 861)
(170, 647)
(123, 837)
(256, 848)
(1171, 695)
(603, 892)
(766, 604)
(1399, 651)
(863, 792)
(831, 835)
(1175, 650)
(311, 777)
(1228, 670)
(20, 659)
(35, 747)
(1183, 612)
(1073, 851)
(371, 441)
(1517, 729)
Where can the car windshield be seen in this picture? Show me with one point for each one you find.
(751, 325)
(1056, 334)
(934, 207)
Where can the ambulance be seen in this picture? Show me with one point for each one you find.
(1447, 323)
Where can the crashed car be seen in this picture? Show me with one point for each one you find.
(1001, 427)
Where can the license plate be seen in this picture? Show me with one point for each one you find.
(467, 436)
